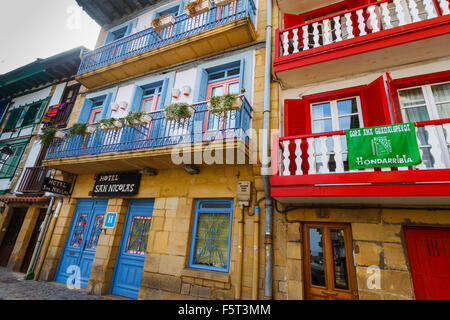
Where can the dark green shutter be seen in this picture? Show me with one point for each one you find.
(13, 118)
(9, 168)
(30, 115)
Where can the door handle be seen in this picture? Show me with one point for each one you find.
(330, 293)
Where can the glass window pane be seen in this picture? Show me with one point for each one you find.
(216, 76)
(320, 111)
(97, 117)
(411, 97)
(322, 126)
(138, 235)
(339, 259)
(347, 106)
(217, 91)
(234, 88)
(96, 231)
(234, 72)
(443, 110)
(350, 122)
(78, 230)
(147, 105)
(441, 92)
(415, 114)
(317, 258)
(211, 240)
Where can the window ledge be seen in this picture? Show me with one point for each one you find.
(206, 275)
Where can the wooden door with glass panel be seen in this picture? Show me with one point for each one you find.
(328, 265)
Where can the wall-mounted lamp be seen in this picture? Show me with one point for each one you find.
(5, 153)
(191, 169)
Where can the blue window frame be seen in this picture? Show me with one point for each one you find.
(211, 235)
(95, 108)
(120, 32)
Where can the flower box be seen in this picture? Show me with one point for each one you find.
(90, 129)
(196, 7)
(60, 134)
(163, 22)
(223, 104)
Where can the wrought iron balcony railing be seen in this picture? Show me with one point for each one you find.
(183, 27)
(159, 132)
(32, 180)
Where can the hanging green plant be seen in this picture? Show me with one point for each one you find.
(220, 105)
(106, 124)
(47, 136)
(78, 129)
(137, 118)
(177, 112)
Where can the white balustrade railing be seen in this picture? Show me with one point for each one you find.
(378, 16)
(327, 153)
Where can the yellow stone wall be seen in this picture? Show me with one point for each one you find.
(378, 240)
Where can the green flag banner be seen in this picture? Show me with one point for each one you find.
(383, 146)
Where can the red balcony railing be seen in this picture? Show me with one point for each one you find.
(321, 159)
(32, 180)
(355, 25)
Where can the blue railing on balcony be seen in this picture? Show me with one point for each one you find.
(159, 132)
(182, 28)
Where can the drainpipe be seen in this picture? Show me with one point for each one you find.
(255, 273)
(241, 251)
(42, 234)
(46, 245)
(265, 169)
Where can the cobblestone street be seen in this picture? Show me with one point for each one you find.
(14, 287)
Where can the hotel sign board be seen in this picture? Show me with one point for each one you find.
(56, 186)
(383, 146)
(117, 185)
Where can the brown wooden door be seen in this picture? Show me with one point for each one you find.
(33, 241)
(9, 240)
(328, 265)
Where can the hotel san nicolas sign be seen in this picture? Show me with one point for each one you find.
(383, 146)
(117, 184)
(56, 186)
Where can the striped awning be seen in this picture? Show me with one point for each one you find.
(24, 199)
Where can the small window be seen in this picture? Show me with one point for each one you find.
(150, 98)
(429, 102)
(336, 115)
(211, 235)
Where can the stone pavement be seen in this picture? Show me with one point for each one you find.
(14, 287)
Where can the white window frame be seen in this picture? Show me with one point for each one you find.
(430, 102)
(334, 112)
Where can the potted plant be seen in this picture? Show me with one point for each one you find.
(196, 7)
(178, 112)
(221, 104)
(137, 118)
(79, 129)
(162, 22)
(220, 3)
(47, 136)
(106, 124)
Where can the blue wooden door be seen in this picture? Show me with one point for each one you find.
(130, 259)
(82, 240)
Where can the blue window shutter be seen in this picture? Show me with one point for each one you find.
(130, 27)
(110, 38)
(85, 111)
(106, 113)
(202, 87)
(137, 99)
(242, 75)
(162, 100)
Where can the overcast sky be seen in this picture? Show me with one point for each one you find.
(31, 29)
